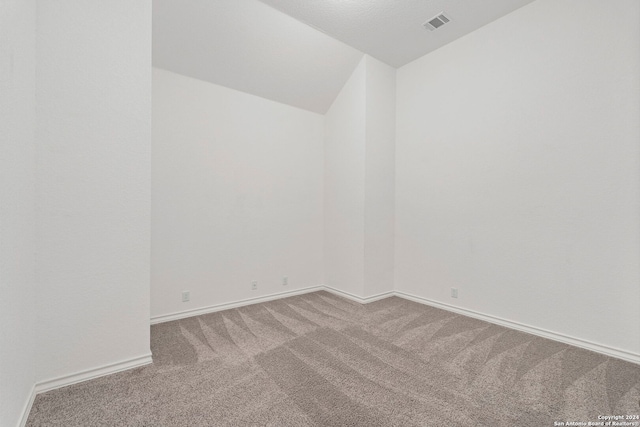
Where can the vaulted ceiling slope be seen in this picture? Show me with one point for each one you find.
(392, 30)
(301, 52)
(249, 46)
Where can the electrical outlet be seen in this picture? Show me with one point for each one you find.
(186, 296)
(454, 293)
(285, 281)
(254, 285)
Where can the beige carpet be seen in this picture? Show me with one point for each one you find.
(320, 360)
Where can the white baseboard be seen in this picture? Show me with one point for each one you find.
(90, 374)
(146, 359)
(577, 342)
(361, 300)
(226, 306)
(234, 304)
(27, 408)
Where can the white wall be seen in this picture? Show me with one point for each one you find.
(359, 182)
(93, 183)
(344, 185)
(379, 210)
(237, 195)
(518, 166)
(17, 284)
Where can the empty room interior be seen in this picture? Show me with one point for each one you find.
(319, 213)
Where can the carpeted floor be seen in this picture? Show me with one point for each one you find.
(320, 360)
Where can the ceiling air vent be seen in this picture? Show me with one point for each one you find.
(436, 22)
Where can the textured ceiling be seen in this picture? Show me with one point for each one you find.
(249, 46)
(301, 52)
(391, 30)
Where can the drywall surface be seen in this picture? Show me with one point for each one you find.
(251, 47)
(391, 30)
(93, 185)
(17, 284)
(517, 171)
(379, 199)
(359, 182)
(344, 185)
(237, 195)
